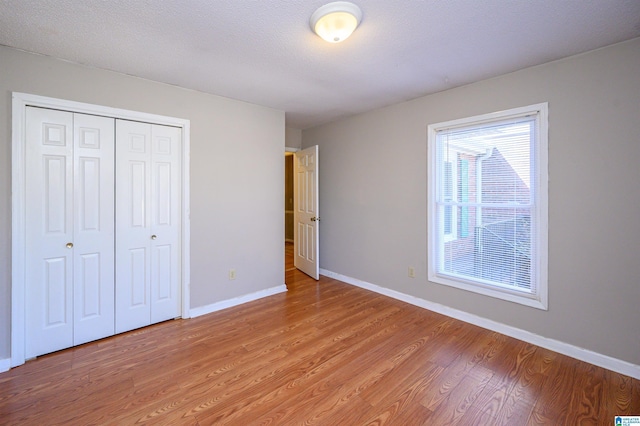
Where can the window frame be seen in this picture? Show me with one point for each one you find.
(538, 297)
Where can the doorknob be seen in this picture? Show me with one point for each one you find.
(153, 237)
(315, 219)
(69, 245)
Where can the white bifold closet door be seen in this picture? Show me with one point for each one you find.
(103, 227)
(148, 224)
(70, 229)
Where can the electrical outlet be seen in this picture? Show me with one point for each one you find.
(232, 274)
(412, 272)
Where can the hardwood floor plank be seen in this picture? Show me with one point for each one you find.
(323, 361)
(343, 382)
(352, 413)
(416, 371)
(459, 401)
(219, 388)
(619, 390)
(323, 353)
(585, 402)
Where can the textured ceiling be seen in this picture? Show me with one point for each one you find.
(263, 52)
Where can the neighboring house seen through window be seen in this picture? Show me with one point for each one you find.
(488, 204)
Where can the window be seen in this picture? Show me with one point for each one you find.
(488, 204)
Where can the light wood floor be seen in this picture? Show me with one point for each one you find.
(323, 353)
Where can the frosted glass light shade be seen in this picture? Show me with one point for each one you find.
(334, 22)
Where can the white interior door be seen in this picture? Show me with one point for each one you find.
(133, 230)
(306, 212)
(165, 223)
(93, 228)
(49, 206)
(69, 232)
(147, 224)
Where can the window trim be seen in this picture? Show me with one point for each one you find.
(539, 266)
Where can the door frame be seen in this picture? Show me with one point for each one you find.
(20, 101)
(288, 151)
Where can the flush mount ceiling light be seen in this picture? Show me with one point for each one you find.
(334, 22)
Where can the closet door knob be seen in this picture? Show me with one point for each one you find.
(153, 237)
(69, 245)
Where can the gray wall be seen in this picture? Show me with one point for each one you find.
(237, 185)
(373, 196)
(293, 137)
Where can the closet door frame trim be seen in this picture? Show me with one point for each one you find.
(20, 101)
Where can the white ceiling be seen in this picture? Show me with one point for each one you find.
(263, 51)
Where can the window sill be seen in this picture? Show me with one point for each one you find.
(535, 301)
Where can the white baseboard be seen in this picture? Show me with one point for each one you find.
(595, 358)
(5, 364)
(218, 306)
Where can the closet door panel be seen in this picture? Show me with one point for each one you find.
(94, 281)
(166, 197)
(133, 228)
(49, 227)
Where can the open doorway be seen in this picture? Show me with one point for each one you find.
(304, 204)
(288, 212)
